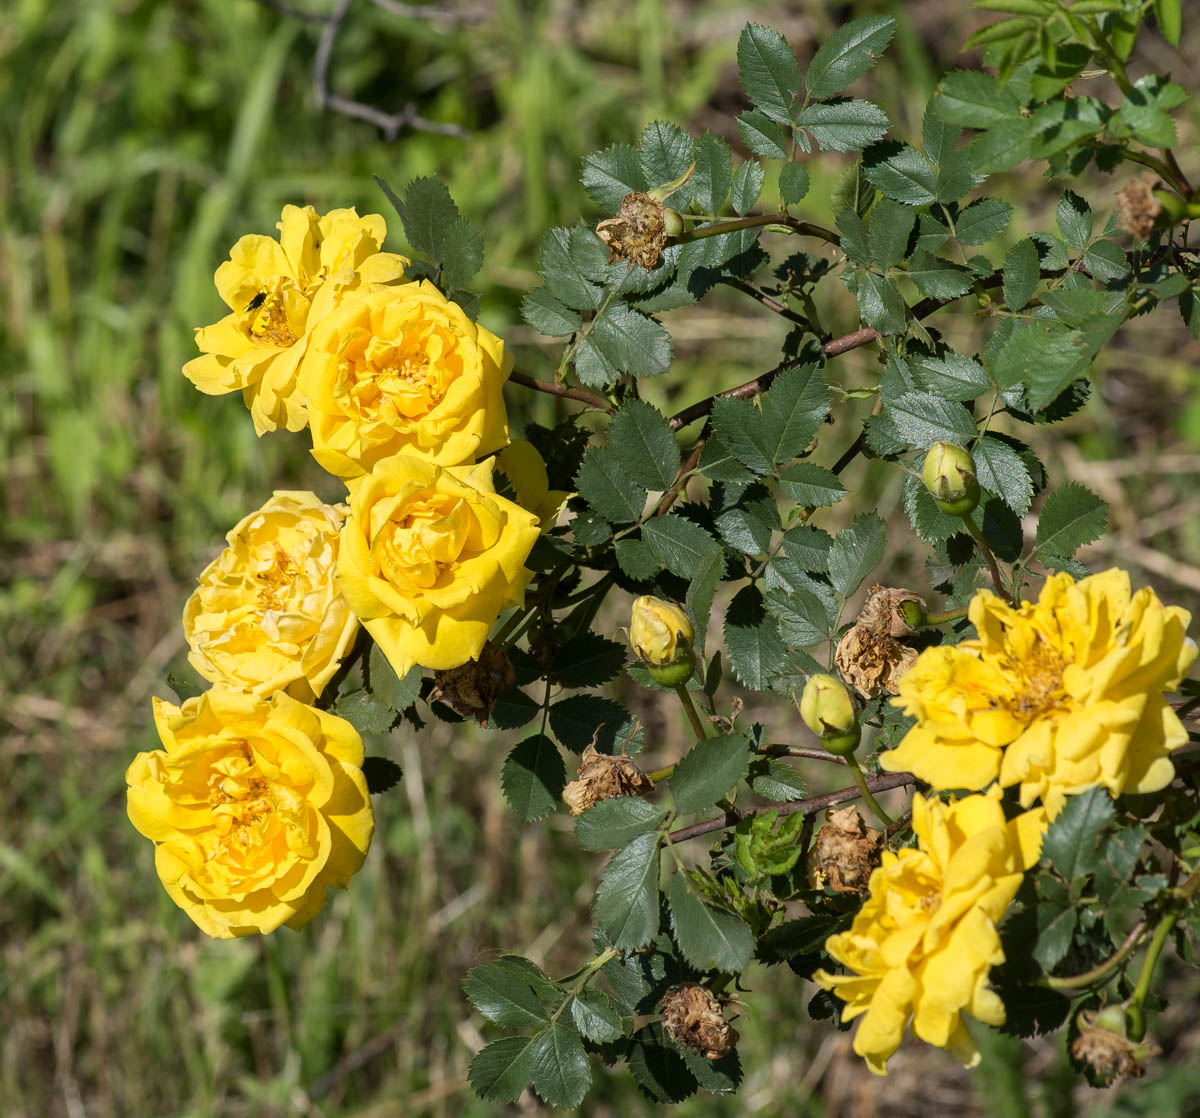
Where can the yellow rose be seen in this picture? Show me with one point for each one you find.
(921, 947)
(268, 614)
(254, 806)
(659, 631)
(430, 556)
(1056, 697)
(403, 371)
(525, 468)
(276, 291)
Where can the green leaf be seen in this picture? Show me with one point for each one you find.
(559, 1067)
(563, 275)
(762, 136)
(793, 183)
(604, 484)
(714, 173)
(939, 136)
(366, 712)
(626, 906)
(708, 771)
(1168, 14)
(548, 316)
(1074, 217)
(658, 1067)
(880, 305)
(813, 486)
(807, 546)
(1043, 354)
(700, 594)
(776, 780)
(645, 444)
(634, 558)
(936, 278)
(381, 773)
(957, 176)
(596, 1016)
(952, 376)
(752, 639)
(587, 660)
(800, 615)
(891, 226)
(848, 54)
(633, 342)
(854, 237)
(708, 938)
(921, 418)
(577, 719)
(512, 992)
(679, 545)
(1002, 146)
(1021, 274)
(844, 125)
(1056, 930)
(856, 552)
(793, 410)
(592, 367)
(612, 823)
(533, 777)
(1063, 124)
(1001, 471)
(1071, 517)
(1106, 260)
(982, 220)
(768, 71)
(460, 252)
(748, 182)
(1071, 840)
(610, 174)
(974, 100)
(428, 209)
(502, 1070)
(902, 173)
(742, 530)
(393, 692)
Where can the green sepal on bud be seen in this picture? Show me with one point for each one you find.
(949, 475)
(661, 634)
(828, 709)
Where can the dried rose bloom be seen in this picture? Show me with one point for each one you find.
(873, 655)
(1137, 208)
(473, 688)
(601, 777)
(639, 232)
(1106, 1054)
(692, 1017)
(844, 852)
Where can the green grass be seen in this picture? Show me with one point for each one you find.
(142, 139)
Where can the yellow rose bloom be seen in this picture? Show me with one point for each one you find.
(921, 946)
(430, 556)
(525, 468)
(403, 370)
(254, 805)
(276, 291)
(268, 614)
(1056, 697)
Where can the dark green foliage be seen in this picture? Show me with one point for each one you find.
(533, 778)
(708, 771)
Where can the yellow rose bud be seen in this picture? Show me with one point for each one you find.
(429, 558)
(662, 636)
(254, 806)
(949, 475)
(276, 291)
(828, 710)
(267, 614)
(403, 370)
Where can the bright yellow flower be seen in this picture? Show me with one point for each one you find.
(660, 632)
(403, 371)
(1056, 697)
(921, 947)
(254, 806)
(430, 556)
(276, 291)
(525, 468)
(268, 614)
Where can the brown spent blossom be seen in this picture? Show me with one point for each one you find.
(692, 1017)
(639, 232)
(873, 655)
(473, 688)
(1137, 208)
(845, 852)
(1106, 1055)
(602, 777)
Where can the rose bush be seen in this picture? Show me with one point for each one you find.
(268, 614)
(254, 805)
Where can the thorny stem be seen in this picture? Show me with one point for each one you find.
(808, 807)
(1134, 1007)
(767, 301)
(693, 715)
(555, 389)
(861, 781)
(774, 750)
(1100, 972)
(988, 557)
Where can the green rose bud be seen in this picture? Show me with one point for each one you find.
(828, 710)
(662, 635)
(949, 475)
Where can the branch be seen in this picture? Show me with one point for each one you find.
(808, 807)
(554, 389)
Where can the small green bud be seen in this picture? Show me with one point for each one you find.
(661, 634)
(672, 222)
(828, 710)
(949, 475)
(913, 612)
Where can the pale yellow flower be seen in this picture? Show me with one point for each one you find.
(276, 292)
(268, 614)
(1056, 697)
(921, 947)
(660, 632)
(403, 370)
(429, 558)
(525, 468)
(254, 805)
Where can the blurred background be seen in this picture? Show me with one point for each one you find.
(140, 139)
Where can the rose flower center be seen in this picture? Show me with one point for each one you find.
(1037, 675)
(277, 581)
(401, 377)
(427, 536)
(265, 318)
